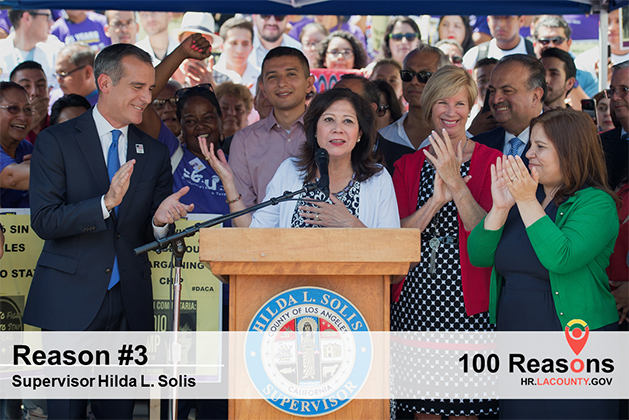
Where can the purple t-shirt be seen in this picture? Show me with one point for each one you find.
(206, 189)
(14, 198)
(90, 32)
(298, 26)
(479, 24)
(5, 23)
(352, 29)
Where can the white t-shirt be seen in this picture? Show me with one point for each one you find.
(587, 60)
(470, 58)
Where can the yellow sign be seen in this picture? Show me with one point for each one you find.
(201, 292)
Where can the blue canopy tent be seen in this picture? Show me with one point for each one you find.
(337, 7)
(350, 7)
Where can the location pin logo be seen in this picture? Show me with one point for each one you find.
(577, 337)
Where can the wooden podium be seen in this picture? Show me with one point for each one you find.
(358, 264)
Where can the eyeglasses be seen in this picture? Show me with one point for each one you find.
(346, 53)
(410, 36)
(620, 91)
(120, 24)
(382, 110)
(48, 15)
(311, 45)
(201, 88)
(63, 74)
(279, 18)
(422, 76)
(159, 104)
(14, 109)
(557, 40)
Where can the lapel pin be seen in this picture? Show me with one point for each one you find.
(139, 149)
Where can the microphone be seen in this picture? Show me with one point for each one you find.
(322, 158)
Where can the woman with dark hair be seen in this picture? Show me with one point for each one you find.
(390, 106)
(16, 114)
(457, 28)
(362, 195)
(388, 70)
(401, 36)
(341, 50)
(561, 218)
(68, 107)
(603, 112)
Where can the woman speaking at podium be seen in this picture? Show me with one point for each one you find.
(362, 194)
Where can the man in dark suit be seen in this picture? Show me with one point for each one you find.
(615, 142)
(99, 188)
(517, 92)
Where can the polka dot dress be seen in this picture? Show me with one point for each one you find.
(349, 196)
(434, 302)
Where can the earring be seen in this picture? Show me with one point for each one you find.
(358, 141)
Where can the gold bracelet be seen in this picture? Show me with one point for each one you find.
(233, 201)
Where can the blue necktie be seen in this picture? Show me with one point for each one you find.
(515, 145)
(113, 164)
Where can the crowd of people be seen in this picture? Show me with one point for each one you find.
(477, 140)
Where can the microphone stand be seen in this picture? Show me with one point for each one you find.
(177, 244)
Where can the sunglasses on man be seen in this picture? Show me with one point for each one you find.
(557, 40)
(422, 76)
(279, 18)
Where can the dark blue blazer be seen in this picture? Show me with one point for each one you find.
(68, 178)
(616, 156)
(496, 140)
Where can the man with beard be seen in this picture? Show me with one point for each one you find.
(157, 42)
(269, 34)
(560, 77)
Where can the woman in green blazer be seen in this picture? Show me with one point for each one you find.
(548, 237)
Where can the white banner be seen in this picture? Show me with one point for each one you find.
(315, 366)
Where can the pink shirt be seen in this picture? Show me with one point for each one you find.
(258, 150)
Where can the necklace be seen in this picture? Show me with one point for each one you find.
(465, 145)
(347, 188)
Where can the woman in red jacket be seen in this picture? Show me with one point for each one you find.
(445, 191)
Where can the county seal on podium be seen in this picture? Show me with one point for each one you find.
(308, 351)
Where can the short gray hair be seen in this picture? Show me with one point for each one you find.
(425, 48)
(621, 66)
(78, 54)
(552, 22)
